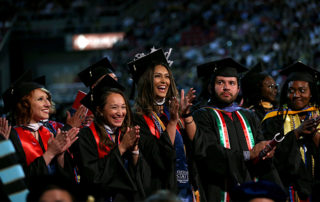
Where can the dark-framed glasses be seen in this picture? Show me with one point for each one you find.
(273, 86)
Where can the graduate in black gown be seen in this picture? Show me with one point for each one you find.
(108, 158)
(40, 151)
(297, 156)
(259, 91)
(228, 139)
(157, 113)
(90, 77)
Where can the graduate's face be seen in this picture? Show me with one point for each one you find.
(161, 81)
(56, 195)
(40, 105)
(115, 110)
(226, 89)
(299, 94)
(269, 89)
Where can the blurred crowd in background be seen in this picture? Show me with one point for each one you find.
(273, 32)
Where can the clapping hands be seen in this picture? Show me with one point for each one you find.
(5, 128)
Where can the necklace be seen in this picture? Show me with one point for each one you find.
(160, 102)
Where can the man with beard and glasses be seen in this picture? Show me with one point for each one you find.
(227, 140)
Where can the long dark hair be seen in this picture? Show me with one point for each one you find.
(252, 89)
(100, 121)
(145, 99)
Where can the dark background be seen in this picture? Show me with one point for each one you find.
(33, 35)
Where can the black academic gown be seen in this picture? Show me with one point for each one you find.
(259, 111)
(111, 176)
(38, 167)
(220, 169)
(160, 155)
(287, 158)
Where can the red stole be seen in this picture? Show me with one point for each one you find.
(30, 145)
(101, 152)
(152, 125)
(56, 125)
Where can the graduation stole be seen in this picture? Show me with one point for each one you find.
(275, 112)
(292, 122)
(156, 126)
(101, 152)
(53, 126)
(223, 130)
(30, 145)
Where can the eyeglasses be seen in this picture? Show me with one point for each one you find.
(273, 86)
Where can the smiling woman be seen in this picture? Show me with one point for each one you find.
(298, 119)
(158, 115)
(40, 105)
(108, 154)
(40, 152)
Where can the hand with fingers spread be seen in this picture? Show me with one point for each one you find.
(186, 101)
(55, 146)
(130, 139)
(5, 128)
(88, 120)
(71, 137)
(174, 109)
(78, 118)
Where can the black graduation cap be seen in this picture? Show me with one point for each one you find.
(257, 68)
(300, 72)
(256, 71)
(91, 99)
(260, 189)
(138, 66)
(91, 74)
(225, 67)
(21, 87)
(40, 80)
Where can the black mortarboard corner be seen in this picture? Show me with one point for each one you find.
(91, 74)
(300, 72)
(40, 80)
(225, 67)
(141, 62)
(21, 87)
(260, 189)
(256, 69)
(91, 99)
(255, 73)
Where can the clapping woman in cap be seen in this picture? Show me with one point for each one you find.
(157, 114)
(40, 151)
(297, 157)
(108, 154)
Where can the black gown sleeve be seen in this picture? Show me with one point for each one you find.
(107, 176)
(287, 158)
(159, 154)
